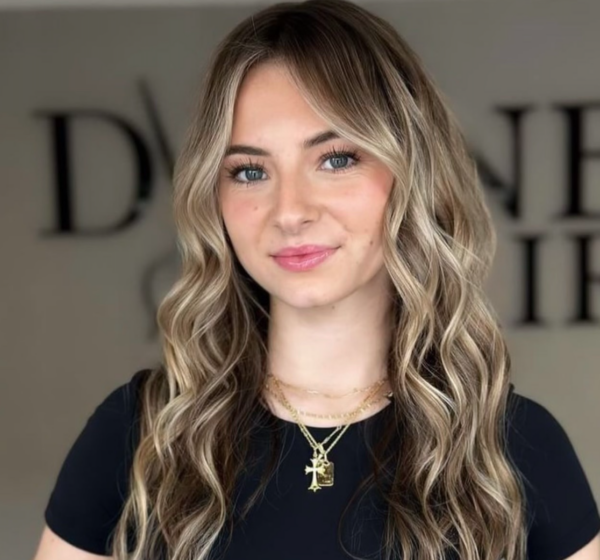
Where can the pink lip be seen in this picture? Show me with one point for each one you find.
(301, 250)
(299, 261)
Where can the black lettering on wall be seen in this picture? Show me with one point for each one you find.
(586, 278)
(61, 136)
(531, 279)
(577, 155)
(509, 192)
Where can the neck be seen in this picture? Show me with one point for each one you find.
(333, 349)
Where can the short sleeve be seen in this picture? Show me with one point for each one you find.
(90, 490)
(561, 509)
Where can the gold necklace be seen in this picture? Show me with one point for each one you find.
(321, 468)
(315, 392)
(328, 416)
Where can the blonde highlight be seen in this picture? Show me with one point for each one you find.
(449, 366)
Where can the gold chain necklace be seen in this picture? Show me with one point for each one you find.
(321, 468)
(315, 392)
(327, 416)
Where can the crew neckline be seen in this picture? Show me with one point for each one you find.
(327, 429)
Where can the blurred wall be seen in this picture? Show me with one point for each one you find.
(93, 107)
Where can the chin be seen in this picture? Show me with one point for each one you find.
(306, 299)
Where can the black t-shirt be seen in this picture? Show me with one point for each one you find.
(294, 523)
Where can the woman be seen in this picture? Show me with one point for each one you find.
(335, 383)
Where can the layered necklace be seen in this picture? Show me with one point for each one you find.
(321, 468)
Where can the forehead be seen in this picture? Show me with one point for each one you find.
(269, 104)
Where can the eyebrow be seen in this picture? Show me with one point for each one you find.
(311, 142)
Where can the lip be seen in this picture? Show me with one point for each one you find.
(301, 250)
(300, 260)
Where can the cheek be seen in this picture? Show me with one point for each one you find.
(242, 221)
(379, 193)
(364, 208)
(238, 214)
(369, 210)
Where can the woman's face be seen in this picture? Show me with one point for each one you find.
(277, 191)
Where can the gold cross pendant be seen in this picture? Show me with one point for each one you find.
(322, 473)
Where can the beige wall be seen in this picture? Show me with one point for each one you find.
(73, 319)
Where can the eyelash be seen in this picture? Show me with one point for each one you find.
(232, 172)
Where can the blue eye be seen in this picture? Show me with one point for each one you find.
(254, 170)
(340, 158)
(252, 173)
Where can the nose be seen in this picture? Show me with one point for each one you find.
(294, 205)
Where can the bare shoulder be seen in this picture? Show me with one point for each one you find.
(591, 551)
(52, 547)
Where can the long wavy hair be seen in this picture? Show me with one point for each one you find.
(451, 486)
